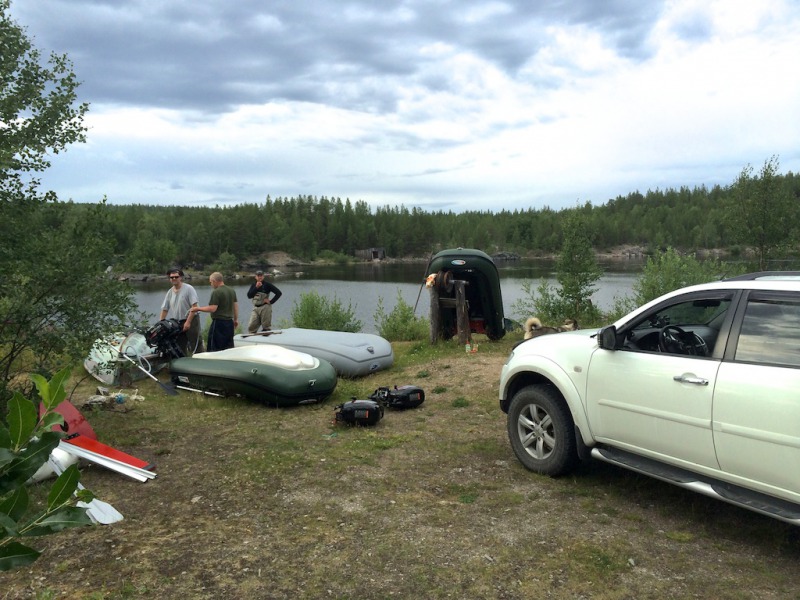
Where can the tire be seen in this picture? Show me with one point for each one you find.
(541, 431)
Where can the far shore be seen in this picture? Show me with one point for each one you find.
(273, 263)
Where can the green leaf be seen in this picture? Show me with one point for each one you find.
(57, 389)
(16, 555)
(6, 457)
(22, 418)
(42, 385)
(5, 437)
(63, 518)
(8, 526)
(50, 419)
(29, 461)
(16, 504)
(85, 495)
(64, 486)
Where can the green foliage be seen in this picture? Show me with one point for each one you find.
(226, 263)
(577, 272)
(37, 102)
(54, 301)
(763, 213)
(335, 257)
(313, 311)
(665, 272)
(577, 269)
(543, 302)
(26, 441)
(400, 325)
(151, 251)
(310, 227)
(668, 271)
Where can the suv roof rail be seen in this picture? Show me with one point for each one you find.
(765, 275)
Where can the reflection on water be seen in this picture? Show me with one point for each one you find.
(362, 285)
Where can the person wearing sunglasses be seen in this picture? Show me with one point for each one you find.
(179, 299)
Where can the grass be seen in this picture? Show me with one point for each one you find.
(430, 503)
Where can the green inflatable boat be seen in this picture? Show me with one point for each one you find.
(484, 300)
(270, 374)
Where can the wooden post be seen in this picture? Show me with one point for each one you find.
(462, 316)
(435, 319)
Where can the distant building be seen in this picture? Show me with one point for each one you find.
(371, 254)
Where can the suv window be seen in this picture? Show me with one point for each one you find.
(770, 333)
(693, 312)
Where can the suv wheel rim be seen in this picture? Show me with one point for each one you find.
(536, 431)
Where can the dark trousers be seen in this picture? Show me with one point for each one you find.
(191, 342)
(220, 335)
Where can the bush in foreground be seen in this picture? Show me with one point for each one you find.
(316, 312)
(401, 324)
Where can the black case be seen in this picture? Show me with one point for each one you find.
(359, 412)
(399, 398)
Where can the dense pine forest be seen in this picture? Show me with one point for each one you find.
(309, 228)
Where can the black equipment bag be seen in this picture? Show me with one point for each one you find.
(399, 398)
(359, 412)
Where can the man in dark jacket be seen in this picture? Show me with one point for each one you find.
(259, 293)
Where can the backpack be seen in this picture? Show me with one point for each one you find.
(399, 398)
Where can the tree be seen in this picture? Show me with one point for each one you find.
(54, 299)
(763, 214)
(577, 270)
(37, 103)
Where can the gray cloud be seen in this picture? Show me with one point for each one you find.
(441, 103)
(216, 55)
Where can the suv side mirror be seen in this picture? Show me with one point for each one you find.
(607, 338)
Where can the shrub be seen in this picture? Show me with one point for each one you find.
(26, 441)
(670, 271)
(401, 324)
(316, 312)
(226, 263)
(667, 271)
(547, 303)
(335, 257)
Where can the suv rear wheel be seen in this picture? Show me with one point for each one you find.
(541, 431)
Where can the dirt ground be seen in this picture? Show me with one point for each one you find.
(255, 502)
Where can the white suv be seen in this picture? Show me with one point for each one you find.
(700, 388)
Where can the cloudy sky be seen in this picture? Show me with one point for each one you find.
(438, 104)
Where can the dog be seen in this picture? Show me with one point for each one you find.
(534, 328)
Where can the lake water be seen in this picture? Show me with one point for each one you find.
(362, 285)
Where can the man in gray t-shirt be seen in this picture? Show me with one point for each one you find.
(179, 299)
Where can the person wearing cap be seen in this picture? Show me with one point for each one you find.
(179, 299)
(259, 293)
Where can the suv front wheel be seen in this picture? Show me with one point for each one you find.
(541, 431)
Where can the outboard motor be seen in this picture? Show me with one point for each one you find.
(163, 336)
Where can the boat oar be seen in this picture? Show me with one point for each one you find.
(189, 389)
(169, 390)
(424, 275)
(98, 511)
(260, 333)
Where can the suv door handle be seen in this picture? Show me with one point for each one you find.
(693, 379)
